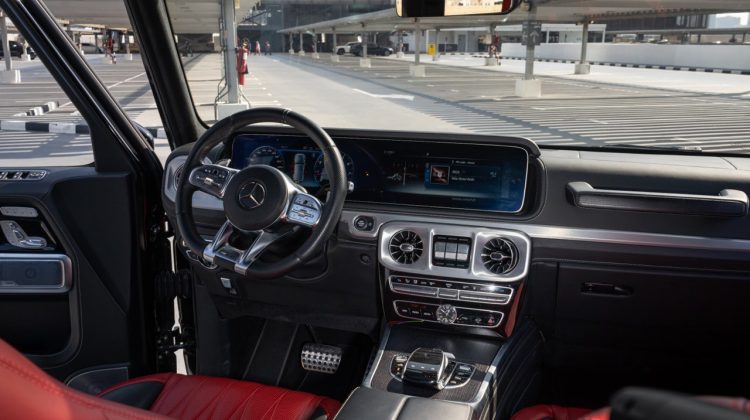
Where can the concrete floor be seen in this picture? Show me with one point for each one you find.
(610, 106)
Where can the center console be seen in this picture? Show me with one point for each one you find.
(450, 295)
(451, 275)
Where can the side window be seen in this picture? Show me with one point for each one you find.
(39, 126)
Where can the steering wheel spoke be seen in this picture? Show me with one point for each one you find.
(304, 209)
(212, 179)
(263, 240)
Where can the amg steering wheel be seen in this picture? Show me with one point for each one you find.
(261, 203)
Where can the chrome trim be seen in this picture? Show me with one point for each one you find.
(489, 375)
(201, 200)
(66, 281)
(436, 296)
(479, 236)
(500, 321)
(556, 232)
(367, 382)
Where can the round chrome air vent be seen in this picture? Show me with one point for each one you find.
(405, 247)
(499, 256)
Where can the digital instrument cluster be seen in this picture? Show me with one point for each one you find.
(414, 173)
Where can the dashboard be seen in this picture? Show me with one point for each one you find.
(405, 172)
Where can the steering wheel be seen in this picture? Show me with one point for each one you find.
(260, 202)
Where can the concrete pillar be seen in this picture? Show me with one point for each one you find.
(128, 55)
(9, 75)
(583, 67)
(604, 34)
(436, 57)
(291, 42)
(466, 41)
(417, 43)
(233, 103)
(529, 87)
(315, 45)
(334, 54)
(364, 61)
(302, 44)
(744, 37)
(400, 46)
(547, 41)
(416, 69)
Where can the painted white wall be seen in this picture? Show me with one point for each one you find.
(734, 57)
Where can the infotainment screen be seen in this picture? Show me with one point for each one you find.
(404, 172)
(457, 176)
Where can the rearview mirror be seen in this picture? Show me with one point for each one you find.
(435, 8)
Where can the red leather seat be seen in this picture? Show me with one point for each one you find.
(27, 392)
(551, 412)
(554, 412)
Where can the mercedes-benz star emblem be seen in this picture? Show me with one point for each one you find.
(252, 195)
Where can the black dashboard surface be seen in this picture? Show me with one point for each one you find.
(406, 172)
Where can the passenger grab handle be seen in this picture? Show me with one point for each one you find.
(729, 203)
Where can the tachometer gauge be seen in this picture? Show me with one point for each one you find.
(319, 168)
(267, 155)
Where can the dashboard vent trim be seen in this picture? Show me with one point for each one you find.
(499, 256)
(405, 247)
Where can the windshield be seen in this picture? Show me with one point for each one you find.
(587, 76)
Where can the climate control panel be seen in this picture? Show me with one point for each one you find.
(492, 294)
(448, 314)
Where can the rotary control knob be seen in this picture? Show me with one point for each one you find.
(446, 314)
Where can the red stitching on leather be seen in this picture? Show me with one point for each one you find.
(244, 405)
(274, 405)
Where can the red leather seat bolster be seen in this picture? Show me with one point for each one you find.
(551, 412)
(26, 392)
(199, 397)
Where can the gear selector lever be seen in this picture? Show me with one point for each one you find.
(427, 367)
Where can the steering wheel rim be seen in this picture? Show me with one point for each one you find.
(188, 184)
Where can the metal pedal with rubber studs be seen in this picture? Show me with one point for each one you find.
(320, 358)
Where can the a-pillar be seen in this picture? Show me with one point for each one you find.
(128, 55)
(334, 52)
(302, 44)
(9, 75)
(583, 66)
(315, 45)
(233, 103)
(436, 57)
(416, 69)
(529, 87)
(365, 60)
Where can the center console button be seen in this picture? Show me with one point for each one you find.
(448, 293)
(450, 251)
(414, 289)
(440, 250)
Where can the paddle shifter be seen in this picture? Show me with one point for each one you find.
(427, 367)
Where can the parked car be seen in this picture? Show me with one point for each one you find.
(89, 48)
(344, 49)
(16, 50)
(372, 49)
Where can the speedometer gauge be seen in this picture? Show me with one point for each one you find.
(319, 168)
(267, 155)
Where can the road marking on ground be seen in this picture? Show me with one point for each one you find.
(386, 96)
